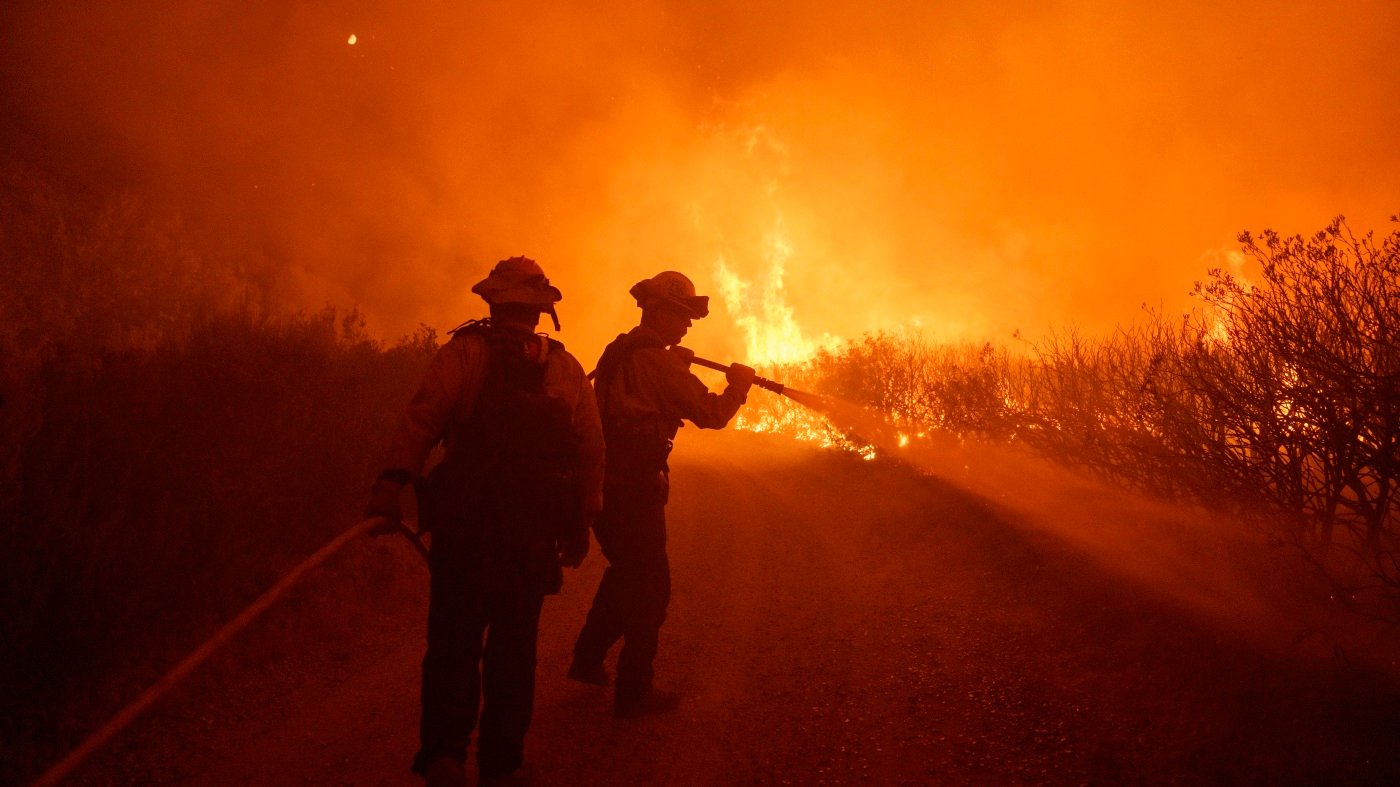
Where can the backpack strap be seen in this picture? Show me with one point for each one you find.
(619, 351)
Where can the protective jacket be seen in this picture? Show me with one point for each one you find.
(645, 391)
(523, 451)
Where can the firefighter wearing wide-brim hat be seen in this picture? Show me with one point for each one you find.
(645, 391)
(512, 500)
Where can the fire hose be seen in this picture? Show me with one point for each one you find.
(220, 638)
(691, 357)
(372, 525)
(817, 402)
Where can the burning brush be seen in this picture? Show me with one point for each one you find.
(857, 429)
(821, 404)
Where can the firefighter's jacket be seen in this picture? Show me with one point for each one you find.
(645, 392)
(443, 406)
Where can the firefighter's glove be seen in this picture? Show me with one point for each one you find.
(740, 376)
(384, 504)
(573, 549)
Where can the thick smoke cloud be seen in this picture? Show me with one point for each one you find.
(966, 167)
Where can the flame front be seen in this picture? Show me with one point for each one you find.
(760, 308)
(773, 339)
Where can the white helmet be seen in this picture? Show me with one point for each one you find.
(518, 280)
(672, 288)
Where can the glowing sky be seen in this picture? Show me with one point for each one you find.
(968, 167)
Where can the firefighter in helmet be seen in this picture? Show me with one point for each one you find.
(645, 391)
(512, 500)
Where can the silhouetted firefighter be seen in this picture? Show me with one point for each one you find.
(644, 392)
(512, 500)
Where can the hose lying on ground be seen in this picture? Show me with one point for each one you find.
(221, 637)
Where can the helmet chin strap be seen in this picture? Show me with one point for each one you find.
(553, 316)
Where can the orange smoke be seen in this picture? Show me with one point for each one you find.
(960, 168)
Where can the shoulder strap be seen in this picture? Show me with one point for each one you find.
(619, 350)
(496, 338)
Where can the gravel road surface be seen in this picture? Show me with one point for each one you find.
(835, 621)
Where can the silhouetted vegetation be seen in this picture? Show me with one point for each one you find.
(1278, 398)
(168, 446)
(170, 449)
(167, 487)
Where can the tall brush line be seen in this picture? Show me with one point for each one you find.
(165, 488)
(1280, 396)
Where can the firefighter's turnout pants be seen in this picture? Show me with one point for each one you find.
(631, 601)
(471, 623)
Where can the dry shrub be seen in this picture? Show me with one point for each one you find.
(164, 488)
(1305, 378)
(1279, 399)
(1118, 406)
(91, 273)
(168, 447)
(962, 389)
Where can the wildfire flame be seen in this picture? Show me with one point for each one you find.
(760, 308)
(1219, 330)
(773, 339)
(804, 425)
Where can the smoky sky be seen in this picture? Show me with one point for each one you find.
(963, 167)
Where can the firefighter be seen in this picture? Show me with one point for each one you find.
(645, 390)
(512, 500)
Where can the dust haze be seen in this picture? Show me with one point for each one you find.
(966, 169)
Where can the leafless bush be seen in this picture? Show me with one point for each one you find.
(1122, 407)
(1280, 397)
(1304, 370)
(959, 388)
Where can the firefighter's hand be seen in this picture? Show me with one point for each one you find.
(740, 376)
(574, 549)
(384, 504)
(686, 354)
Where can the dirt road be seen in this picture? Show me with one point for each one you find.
(834, 621)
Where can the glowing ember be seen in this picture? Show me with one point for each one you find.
(351, 41)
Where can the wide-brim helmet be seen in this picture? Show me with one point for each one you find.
(518, 280)
(674, 289)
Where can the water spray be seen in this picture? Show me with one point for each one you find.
(851, 419)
